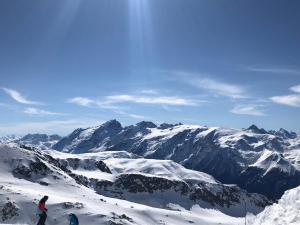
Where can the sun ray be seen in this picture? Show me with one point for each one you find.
(141, 33)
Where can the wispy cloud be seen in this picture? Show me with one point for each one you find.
(18, 97)
(135, 116)
(251, 110)
(82, 101)
(156, 100)
(88, 102)
(289, 100)
(214, 86)
(274, 70)
(149, 92)
(296, 88)
(40, 112)
(110, 102)
(172, 108)
(124, 113)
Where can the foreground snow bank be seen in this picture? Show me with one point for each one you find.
(285, 212)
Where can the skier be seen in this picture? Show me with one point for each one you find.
(42, 210)
(73, 219)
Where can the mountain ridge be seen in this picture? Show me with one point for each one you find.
(230, 155)
(227, 154)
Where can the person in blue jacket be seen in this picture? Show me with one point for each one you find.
(73, 219)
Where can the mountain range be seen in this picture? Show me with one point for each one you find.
(184, 170)
(257, 160)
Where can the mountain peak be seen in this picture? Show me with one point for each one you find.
(253, 127)
(286, 134)
(166, 126)
(257, 130)
(112, 124)
(146, 124)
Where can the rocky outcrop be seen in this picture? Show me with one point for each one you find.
(9, 211)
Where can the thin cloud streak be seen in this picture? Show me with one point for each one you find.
(250, 110)
(156, 100)
(215, 87)
(18, 97)
(87, 102)
(135, 116)
(39, 112)
(109, 102)
(149, 92)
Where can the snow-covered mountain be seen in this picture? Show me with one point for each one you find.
(253, 158)
(114, 188)
(41, 141)
(9, 138)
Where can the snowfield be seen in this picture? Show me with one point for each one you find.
(20, 191)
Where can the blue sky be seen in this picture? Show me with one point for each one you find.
(77, 63)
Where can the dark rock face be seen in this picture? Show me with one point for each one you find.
(120, 219)
(224, 198)
(138, 183)
(9, 211)
(67, 140)
(102, 166)
(71, 205)
(214, 194)
(223, 164)
(146, 124)
(271, 184)
(86, 164)
(35, 168)
(255, 129)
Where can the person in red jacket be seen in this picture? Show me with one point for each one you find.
(42, 211)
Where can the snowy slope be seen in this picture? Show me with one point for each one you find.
(285, 212)
(28, 174)
(230, 155)
(164, 181)
(9, 138)
(42, 141)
